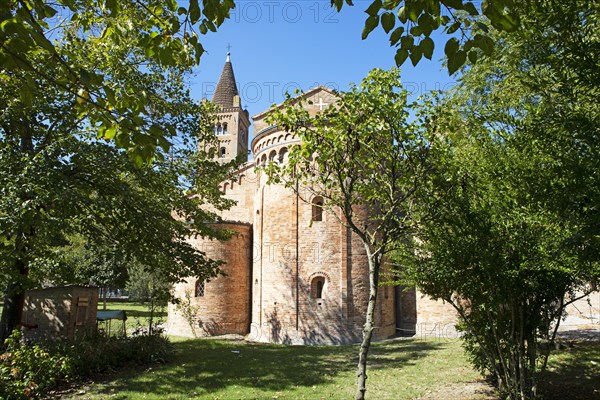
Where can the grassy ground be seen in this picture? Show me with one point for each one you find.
(211, 369)
(573, 373)
(399, 369)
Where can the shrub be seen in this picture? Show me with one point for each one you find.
(98, 353)
(29, 370)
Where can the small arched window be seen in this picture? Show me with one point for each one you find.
(283, 155)
(219, 129)
(225, 128)
(272, 155)
(317, 209)
(222, 152)
(199, 289)
(316, 287)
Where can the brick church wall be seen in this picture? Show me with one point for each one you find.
(225, 306)
(241, 188)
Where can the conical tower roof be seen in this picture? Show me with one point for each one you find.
(226, 88)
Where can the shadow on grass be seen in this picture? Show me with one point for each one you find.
(573, 373)
(208, 366)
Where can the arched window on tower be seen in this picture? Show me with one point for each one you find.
(224, 128)
(199, 289)
(317, 209)
(219, 129)
(316, 287)
(222, 152)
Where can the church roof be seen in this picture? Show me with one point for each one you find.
(226, 87)
(304, 95)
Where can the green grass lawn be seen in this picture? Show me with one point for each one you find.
(212, 369)
(573, 373)
(398, 369)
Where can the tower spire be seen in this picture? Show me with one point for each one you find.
(226, 87)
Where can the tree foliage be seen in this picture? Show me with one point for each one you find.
(410, 24)
(508, 224)
(366, 159)
(60, 178)
(160, 35)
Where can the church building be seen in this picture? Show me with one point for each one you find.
(294, 274)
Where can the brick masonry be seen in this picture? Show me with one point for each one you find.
(223, 307)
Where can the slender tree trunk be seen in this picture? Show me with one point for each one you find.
(361, 372)
(150, 323)
(104, 293)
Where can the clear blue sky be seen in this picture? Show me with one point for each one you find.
(282, 45)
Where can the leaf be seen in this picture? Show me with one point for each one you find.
(472, 56)
(407, 42)
(391, 4)
(110, 132)
(402, 14)
(453, 28)
(110, 95)
(49, 12)
(370, 24)
(338, 4)
(470, 8)
(413, 12)
(415, 55)
(451, 47)
(112, 6)
(194, 11)
(388, 20)
(455, 61)
(401, 56)
(374, 8)
(427, 24)
(485, 43)
(427, 46)
(415, 30)
(396, 35)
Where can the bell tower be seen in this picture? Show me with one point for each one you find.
(233, 122)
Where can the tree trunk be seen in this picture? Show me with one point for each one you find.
(14, 298)
(151, 321)
(361, 372)
(104, 293)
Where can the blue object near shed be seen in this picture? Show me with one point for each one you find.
(108, 315)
